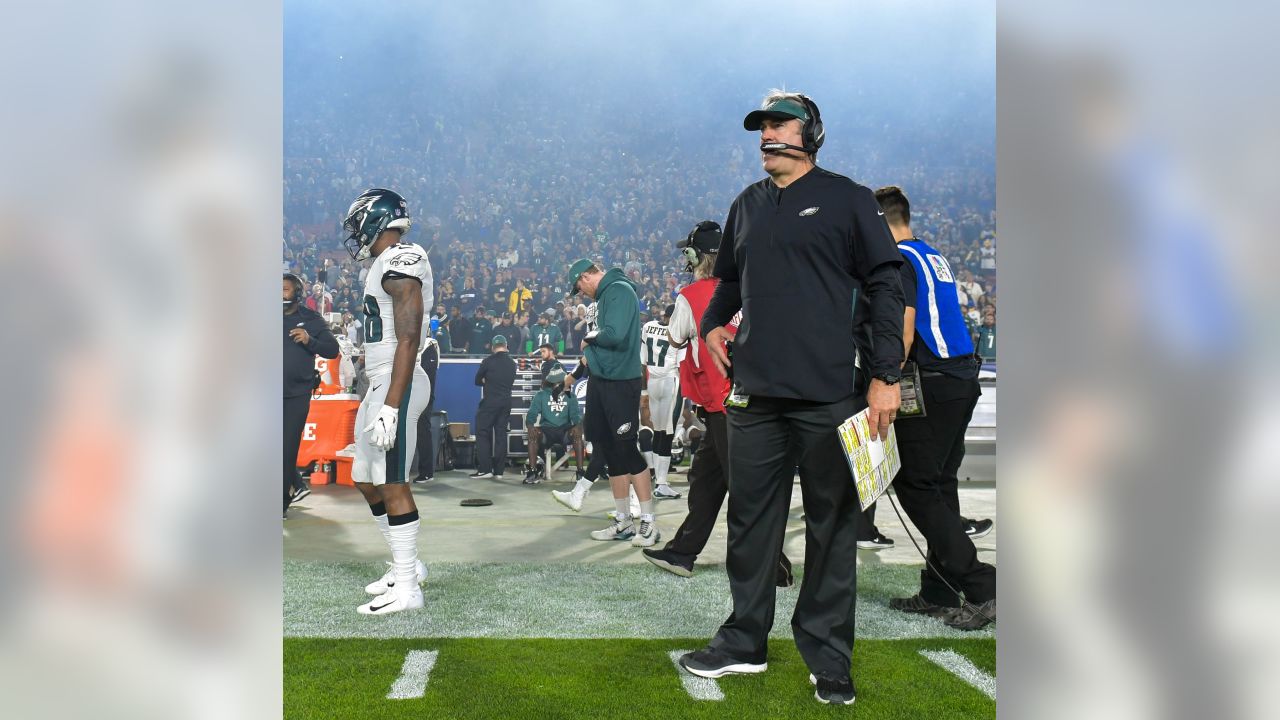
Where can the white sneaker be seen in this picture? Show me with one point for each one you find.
(388, 581)
(393, 601)
(616, 531)
(573, 499)
(647, 534)
(666, 492)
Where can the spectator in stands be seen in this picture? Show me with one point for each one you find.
(480, 331)
(545, 333)
(520, 297)
(986, 343)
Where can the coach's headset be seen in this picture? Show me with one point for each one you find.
(812, 134)
(299, 291)
(703, 239)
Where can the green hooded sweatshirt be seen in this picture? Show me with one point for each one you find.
(614, 353)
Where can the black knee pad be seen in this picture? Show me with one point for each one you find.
(645, 435)
(662, 443)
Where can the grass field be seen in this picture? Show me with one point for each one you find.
(506, 678)
(586, 640)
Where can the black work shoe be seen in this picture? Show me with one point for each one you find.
(879, 542)
(670, 561)
(785, 578)
(972, 617)
(711, 664)
(976, 528)
(918, 605)
(834, 690)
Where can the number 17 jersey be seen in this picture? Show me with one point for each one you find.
(656, 352)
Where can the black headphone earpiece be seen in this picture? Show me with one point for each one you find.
(692, 254)
(813, 133)
(299, 293)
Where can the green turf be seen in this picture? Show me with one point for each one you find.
(539, 678)
(571, 601)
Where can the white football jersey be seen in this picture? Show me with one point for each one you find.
(656, 352)
(400, 260)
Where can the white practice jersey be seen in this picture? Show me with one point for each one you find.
(656, 352)
(401, 260)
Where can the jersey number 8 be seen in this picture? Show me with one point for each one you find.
(372, 320)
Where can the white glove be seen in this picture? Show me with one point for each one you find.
(382, 431)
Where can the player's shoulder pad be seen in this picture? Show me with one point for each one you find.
(407, 259)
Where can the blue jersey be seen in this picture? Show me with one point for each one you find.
(939, 320)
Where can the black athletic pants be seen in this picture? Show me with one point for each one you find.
(295, 420)
(426, 439)
(492, 423)
(931, 448)
(767, 440)
(708, 484)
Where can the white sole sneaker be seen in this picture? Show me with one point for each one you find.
(613, 532)
(388, 581)
(736, 669)
(647, 541)
(669, 493)
(814, 682)
(392, 602)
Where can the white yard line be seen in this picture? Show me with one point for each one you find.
(961, 667)
(697, 687)
(412, 682)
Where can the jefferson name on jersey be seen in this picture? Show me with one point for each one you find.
(403, 260)
(656, 352)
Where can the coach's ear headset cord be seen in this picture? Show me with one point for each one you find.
(963, 602)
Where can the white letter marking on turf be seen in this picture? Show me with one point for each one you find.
(961, 667)
(412, 682)
(697, 687)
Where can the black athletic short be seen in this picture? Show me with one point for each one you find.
(554, 435)
(613, 409)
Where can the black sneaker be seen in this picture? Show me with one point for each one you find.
(879, 542)
(784, 578)
(711, 664)
(480, 475)
(669, 561)
(919, 606)
(531, 476)
(972, 617)
(834, 690)
(423, 479)
(300, 493)
(976, 528)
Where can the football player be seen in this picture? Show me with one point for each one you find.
(662, 371)
(397, 290)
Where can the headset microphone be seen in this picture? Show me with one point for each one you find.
(777, 146)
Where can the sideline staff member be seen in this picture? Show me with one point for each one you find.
(932, 446)
(496, 376)
(305, 336)
(799, 246)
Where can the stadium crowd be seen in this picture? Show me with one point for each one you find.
(505, 203)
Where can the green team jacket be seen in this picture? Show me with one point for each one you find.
(614, 353)
(551, 410)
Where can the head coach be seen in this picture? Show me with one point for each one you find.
(799, 247)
